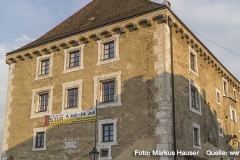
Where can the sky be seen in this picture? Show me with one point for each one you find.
(24, 21)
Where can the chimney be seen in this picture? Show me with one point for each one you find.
(168, 4)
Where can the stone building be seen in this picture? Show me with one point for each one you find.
(158, 89)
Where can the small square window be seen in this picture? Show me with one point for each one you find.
(44, 67)
(39, 140)
(108, 91)
(72, 97)
(74, 59)
(108, 132)
(108, 50)
(104, 153)
(43, 102)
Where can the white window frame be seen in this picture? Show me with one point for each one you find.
(238, 124)
(191, 83)
(70, 85)
(67, 52)
(220, 127)
(98, 89)
(35, 131)
(195, 125)
(224, 80)
(233, 118)
(191, 51)
(38, 68)
(218, 92)
(35, 102)
(115, 39)
(106, 145)
(234, 94)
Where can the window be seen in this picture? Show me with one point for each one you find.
(107, 90)
(233, 114)
(194, 100)
(220, 127)
(41, 102)
(107, 132)
(196, 136)
(73, 59)
(108, 50)
(234, 95)
(44, 66)
(225, 87)
(107, 137)
(238, 124)
(39, 139)
(72, 96)
(218, 97)
(193, 61)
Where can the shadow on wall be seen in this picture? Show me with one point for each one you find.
(136, 121)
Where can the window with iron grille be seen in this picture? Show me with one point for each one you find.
(192, 61)
(72, 97)
(43, 102)
(108, 50)
(108, 91)
(74, 59)
(39, 140)
(44, 66)
(104, 153)
(108, 132)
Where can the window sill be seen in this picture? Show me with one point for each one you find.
(71, 109)
(106, 61)
(197, 146)
(196, 111)
(39, 115)
(73, 69)
(109, 104)
(39, 77)
(39, 149)
(193, 71)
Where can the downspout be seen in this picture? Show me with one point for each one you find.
(173, 91)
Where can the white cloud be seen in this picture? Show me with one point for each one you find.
(14, 44)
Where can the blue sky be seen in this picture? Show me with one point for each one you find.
(25, 20)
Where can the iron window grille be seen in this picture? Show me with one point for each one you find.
(39, 140)
(108, 132)
(194, 97)
(108, 91)
(192, 60)
(109, 50)
(196, 136)
(72, 97)
(73, 59)
(43, 102)
(44, 67)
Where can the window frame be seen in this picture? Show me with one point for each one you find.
(234, 94)
(233, 114)
(74, 97)
(35, 113)
(98, 89)
(71, 85)
(193, 52)
(225, 87)
(196, 109)
(46, 66)
(107, 145)
(43, 105)
(109, 135)
(35, 132)
(109, 90)
(40, 59)
(196, 126)
(67, 54)
(101, 50)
